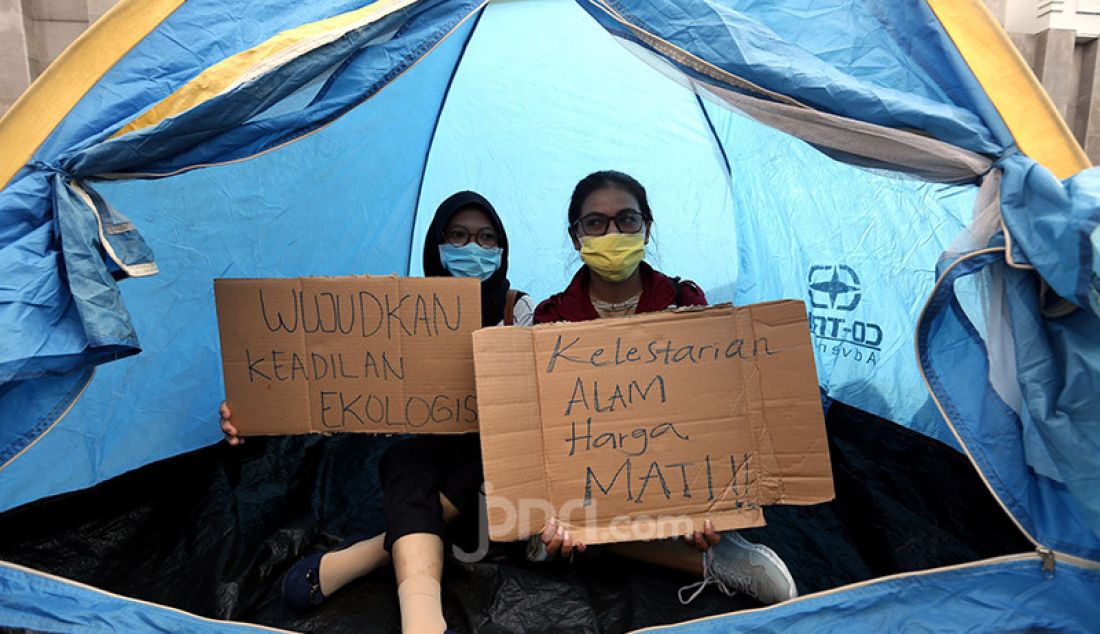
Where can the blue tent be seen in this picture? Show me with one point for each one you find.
(893, 164)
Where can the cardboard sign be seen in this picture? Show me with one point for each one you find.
(643, 427)
(349, 354)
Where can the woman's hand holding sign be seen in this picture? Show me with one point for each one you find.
(228, 428)
(558, 540)
(704, 539)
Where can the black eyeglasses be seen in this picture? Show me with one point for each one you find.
(460, 236)
(627, 221)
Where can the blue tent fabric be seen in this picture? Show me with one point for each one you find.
(89, 155)
(41, 402)
(876, 80)
(951, 347)
(847, 219)
(223, 239)
(228, 127)
(193, 138)
(44, 331)
(1010, 596)
(197, 35)
(401, 109)
(1042, 454)
(40, 603)
(1051, 224)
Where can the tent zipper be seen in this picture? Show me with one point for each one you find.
(1002, 559)
(1047, 556)
(1045, 553)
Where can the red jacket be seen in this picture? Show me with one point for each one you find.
(658, 293)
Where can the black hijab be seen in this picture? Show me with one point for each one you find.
(494, 291)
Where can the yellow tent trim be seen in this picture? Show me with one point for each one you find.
(1027, 110)
(50, 98)
(253, 62)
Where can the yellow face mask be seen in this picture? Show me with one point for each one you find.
(614, 256)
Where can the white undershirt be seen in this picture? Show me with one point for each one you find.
(523, 313)
(620, 309)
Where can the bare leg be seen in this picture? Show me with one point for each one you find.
(418, 562)
(450, 511)
(339, 568)
(670, 554)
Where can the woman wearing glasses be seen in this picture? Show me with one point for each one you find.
(431, 484)
(609, 224)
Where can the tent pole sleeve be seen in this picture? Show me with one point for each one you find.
(858, 142)
(1019, 98)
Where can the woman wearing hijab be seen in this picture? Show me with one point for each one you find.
(431, 483)
(467, 239)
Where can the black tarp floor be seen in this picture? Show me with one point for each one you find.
(212, 532)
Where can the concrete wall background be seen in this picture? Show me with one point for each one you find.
(34, 32)
(16, 73)
(1066, 64)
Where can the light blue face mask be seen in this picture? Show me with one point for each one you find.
(470, 260)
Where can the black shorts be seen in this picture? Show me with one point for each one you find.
(416, 470)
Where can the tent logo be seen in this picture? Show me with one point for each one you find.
(835, 291)
(834, 287)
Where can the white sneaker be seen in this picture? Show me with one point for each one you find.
(736, 565)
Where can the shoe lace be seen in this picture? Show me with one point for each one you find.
(708, 579)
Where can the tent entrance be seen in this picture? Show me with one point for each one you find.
(331, 164)
(212, 531)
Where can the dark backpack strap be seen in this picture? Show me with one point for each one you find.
(676, 284)
(510, 307)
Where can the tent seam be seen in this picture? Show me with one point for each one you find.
(435, 128)
(919, 335)
(859, 585)
(714, 133)
(317, 127)
(686, 58)
(52, 425)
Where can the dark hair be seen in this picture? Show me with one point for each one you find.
(607, 178)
